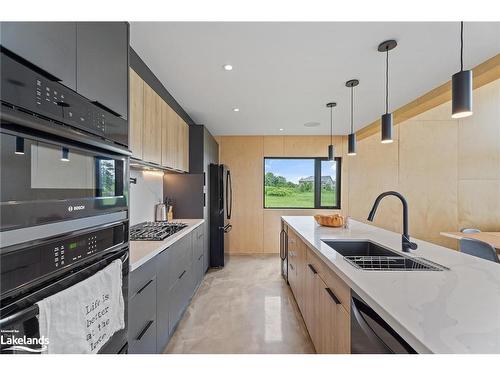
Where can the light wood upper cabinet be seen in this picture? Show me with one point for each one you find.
(183, 151)
(136, 119)
(152, 126)
(168, 120)
(157, 133)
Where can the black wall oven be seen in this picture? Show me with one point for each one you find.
(35, 270)
(51, 180)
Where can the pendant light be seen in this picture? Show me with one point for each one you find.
(351, 144)
(19, 146)
(65, 154)
(387, 117)
(331, 149)
(461, 86)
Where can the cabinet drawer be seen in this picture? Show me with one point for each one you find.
(338, 287)
(141, 276)
(181, 257)
(142, 320)
(198, 242)
(334, 282)
(179, 297)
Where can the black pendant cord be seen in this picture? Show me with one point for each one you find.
(352, 112)
(387, 80)
(461, 46)
(331, 125)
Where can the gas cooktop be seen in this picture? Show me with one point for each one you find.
(154, 230)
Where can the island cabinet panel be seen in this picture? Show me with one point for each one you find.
(312, 298)
(322, 296)
(136, 114)
(152, 126)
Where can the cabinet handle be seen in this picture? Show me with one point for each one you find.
(200, 256)
(312, 269)
(144, 330)
(334, 297)
(144, 287)
(182, 274)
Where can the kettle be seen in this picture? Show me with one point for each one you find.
(160, 212)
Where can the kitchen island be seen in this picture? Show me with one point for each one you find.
(451, 311)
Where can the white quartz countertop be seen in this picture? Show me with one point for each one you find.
(451, 311)
(142, 251)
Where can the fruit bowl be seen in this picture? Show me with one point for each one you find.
(334, 220)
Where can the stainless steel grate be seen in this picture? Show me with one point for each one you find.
(393, 263)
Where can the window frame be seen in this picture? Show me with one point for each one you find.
(317, 182)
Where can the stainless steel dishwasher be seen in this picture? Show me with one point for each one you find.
(370, 334)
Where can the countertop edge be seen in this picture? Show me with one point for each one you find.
(162, 245)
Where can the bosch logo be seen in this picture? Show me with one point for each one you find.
(75, 208)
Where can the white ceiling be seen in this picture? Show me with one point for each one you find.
(285, 73)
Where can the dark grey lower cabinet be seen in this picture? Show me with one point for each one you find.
(142, 320)
(163, 297)
(180, 295)
(161, 290)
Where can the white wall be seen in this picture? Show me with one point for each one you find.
(144, 195)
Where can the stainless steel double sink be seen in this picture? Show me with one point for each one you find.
(370, 256)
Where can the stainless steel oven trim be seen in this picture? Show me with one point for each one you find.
(16, 236)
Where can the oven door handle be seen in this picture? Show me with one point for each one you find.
(32, 311)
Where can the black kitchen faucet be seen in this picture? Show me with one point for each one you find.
(406, 243)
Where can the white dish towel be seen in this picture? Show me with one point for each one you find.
(82, 318)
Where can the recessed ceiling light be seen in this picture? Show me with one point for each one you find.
(228, 67)
(311, 124)
(236, 109)
(281, 129)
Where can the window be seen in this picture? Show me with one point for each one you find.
(301, 183)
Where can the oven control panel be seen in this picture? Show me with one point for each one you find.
(20, 265)
(53, 98)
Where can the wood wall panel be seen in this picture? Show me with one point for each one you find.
(427, 167)
(243, 155)
(373, 170)
(479, 136)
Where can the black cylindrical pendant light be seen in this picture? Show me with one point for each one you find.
(386, 121)
(351, 143)
(65, 154)
(461, 86)
(331, 148)
(19, 146)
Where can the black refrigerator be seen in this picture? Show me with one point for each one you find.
(221, 205)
